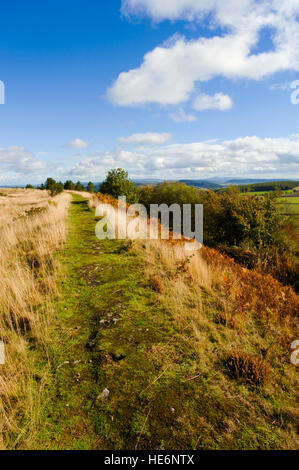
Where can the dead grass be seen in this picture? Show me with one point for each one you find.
(252, 368)
(32, 229)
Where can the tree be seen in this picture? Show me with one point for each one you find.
(56, 189)
(69, 185)
(118, 184)
(90, 187)
(79, 187)
(50, 183)
(53, 187)
(29, 186)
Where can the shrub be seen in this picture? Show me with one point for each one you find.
(249, 367)
(118, 184)
(157, 285)
(69, 185)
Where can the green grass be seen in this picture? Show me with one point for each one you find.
(126, 340)
(289, 205)
(288, 191)
(104, 313)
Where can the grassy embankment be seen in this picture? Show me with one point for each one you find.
(193, 351)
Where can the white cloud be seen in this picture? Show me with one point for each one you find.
(78, 144)
(17, 160)
(182, 116)
(153, 138)
(242, 157)
(218, 101)
(169, 73)
(245, 156)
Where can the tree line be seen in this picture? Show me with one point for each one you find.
(56, 187)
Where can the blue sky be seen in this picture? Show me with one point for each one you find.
(210, 98)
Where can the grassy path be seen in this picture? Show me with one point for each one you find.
(103, 332)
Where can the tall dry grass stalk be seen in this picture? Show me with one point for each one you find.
(33, 228)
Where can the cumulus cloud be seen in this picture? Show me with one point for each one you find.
(245, 156)
(218, 101)
(152, 138)
(169, 73)
(78, 144)
(17, 160)
(182, 116)
(242, 157)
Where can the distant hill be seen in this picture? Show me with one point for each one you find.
(201, 184)
(141, 182)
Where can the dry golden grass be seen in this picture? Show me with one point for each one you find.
(15, 202)
(32, 228)
(250, 367)
(238, 324)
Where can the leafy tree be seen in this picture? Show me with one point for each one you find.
(79, 187)
(90, 187)
(56, 189)
(29, 186)
(169, 193)
(50, 183)
(53, 187)
(118, 184)
(69, 185)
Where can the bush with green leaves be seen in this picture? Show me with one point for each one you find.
(69, 185)
(53, 187)
(248, 228)
(118, 184)
(90, 187)
(79, 186)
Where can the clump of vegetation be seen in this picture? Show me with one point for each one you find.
(53, 187)
(269, 186)
(249, 228)
(157, 284)
(250, 367)
(90, 187)
(69, 185)
(118, 184)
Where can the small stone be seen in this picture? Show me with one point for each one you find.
(104, 395)
(159, 448)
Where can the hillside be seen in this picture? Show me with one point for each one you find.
(150, 348)
(201, 184)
